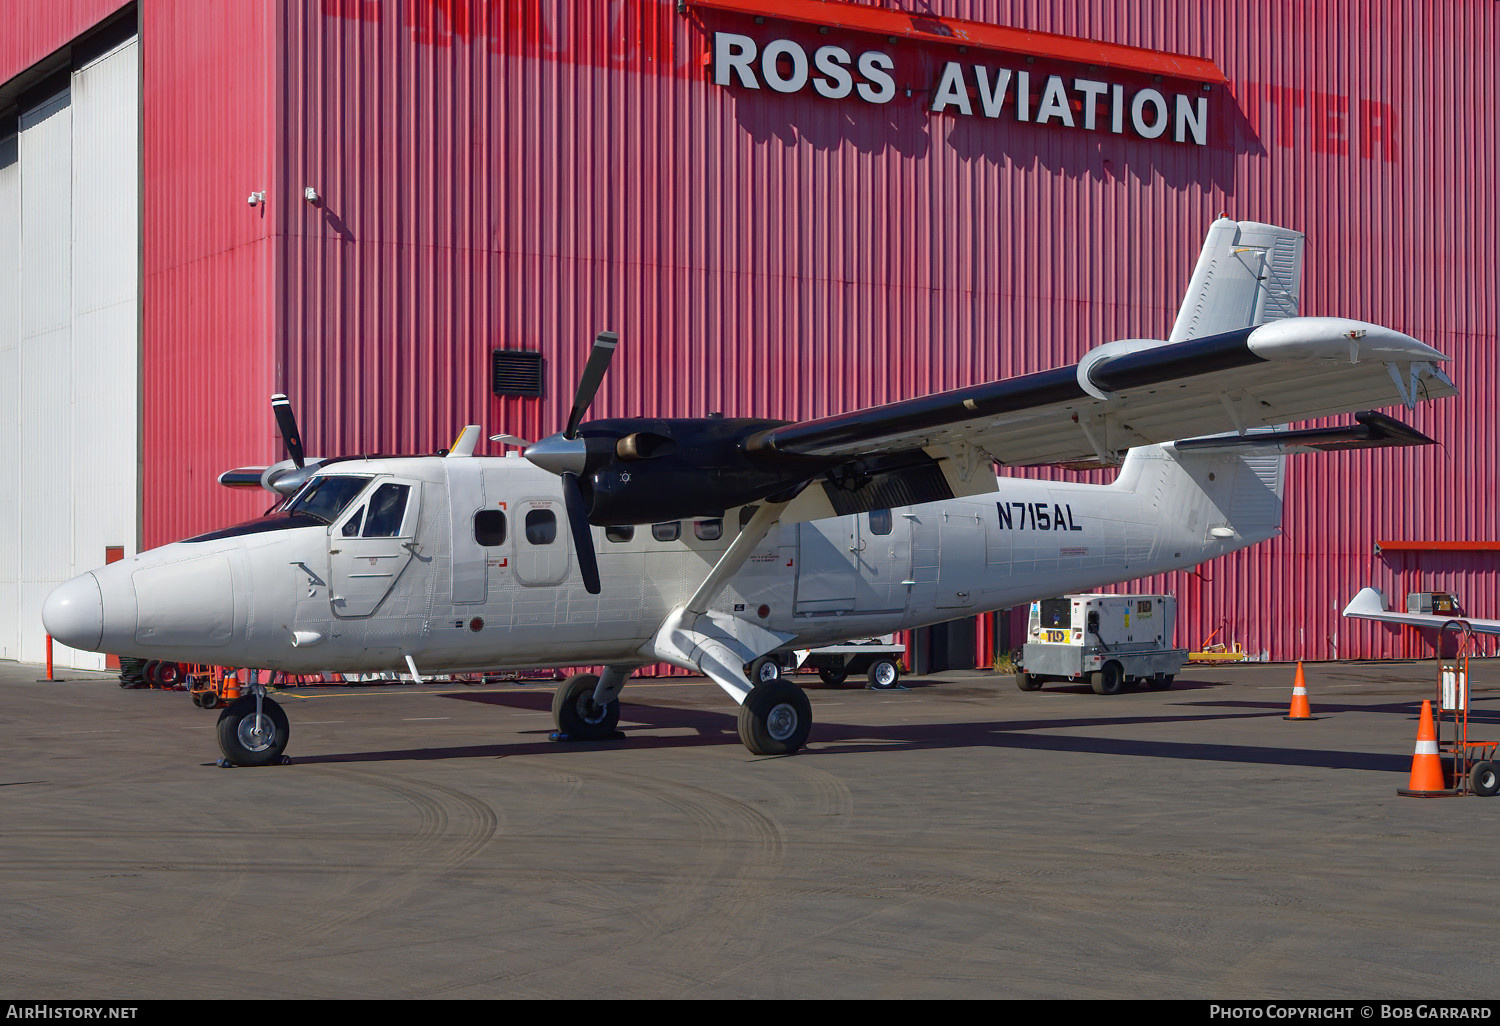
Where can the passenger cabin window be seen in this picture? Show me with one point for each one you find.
(489, 527)
(667, 532)
(386, 510)
(541, 526)
(746, 512)
(619, 534)
(708, 530)
(352, 525)
(880, 521)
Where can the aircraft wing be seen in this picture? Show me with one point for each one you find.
(1370, 605)
(1137, 392)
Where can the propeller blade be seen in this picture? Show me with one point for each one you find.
(286, 423)
(511, 440)
(583, 538)
(591, 379)
(242, 477)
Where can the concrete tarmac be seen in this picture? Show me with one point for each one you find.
(961, 839)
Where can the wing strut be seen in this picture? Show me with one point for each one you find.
(716, 644)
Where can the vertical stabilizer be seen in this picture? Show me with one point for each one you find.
(1248, 273)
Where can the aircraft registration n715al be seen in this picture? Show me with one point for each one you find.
(708, 542)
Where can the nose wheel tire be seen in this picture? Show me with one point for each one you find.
(250, 738)
(775, 718)
(576, 713)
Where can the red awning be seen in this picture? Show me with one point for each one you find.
(958, 32)
(1436, 546)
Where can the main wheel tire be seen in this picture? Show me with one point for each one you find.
(775, 719)
(1107, 680)
(1484, 779)
(883, 673)
(577, 714)
(248, 739)
(764, 670)
(169, 674)
(833, 677)
(1028, 681)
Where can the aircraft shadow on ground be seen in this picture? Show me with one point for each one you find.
(695, 726)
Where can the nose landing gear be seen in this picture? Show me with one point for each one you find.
(253, 731)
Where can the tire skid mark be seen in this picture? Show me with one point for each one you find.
(452, 827)
(741, 847)
(738, 849)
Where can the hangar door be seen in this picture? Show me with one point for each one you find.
(69, 300)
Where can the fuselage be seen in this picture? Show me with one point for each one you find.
(467, 563)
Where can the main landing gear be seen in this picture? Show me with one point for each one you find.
(253, 731)
(774, 719)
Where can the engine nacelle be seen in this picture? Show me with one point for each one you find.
(636, 470)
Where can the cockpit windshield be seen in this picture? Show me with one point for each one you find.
(325, 497)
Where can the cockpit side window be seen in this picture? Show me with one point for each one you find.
(326, 496)
(351, 526)
(387, 507)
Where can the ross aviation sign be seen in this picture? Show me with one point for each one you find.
(1094, 101)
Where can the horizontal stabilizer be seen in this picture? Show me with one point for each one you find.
(1372, 431)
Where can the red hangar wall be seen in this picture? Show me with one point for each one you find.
(786, 208)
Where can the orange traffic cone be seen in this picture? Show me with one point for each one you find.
(1427, 778)
(1300, 709)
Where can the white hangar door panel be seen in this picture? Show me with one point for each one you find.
(105, 448)
(44, 532)
(10, 373)
(69, 303)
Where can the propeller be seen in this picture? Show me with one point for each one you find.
(287, 476)
(644, 470)
(565, 455)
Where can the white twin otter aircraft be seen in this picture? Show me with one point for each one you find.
(708, 542)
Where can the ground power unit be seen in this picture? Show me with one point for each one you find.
(1110, 641)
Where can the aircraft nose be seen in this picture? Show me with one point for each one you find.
(74, 613)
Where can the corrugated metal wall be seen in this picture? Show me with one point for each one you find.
(208, 291)
(34, 29)
(522, 175)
